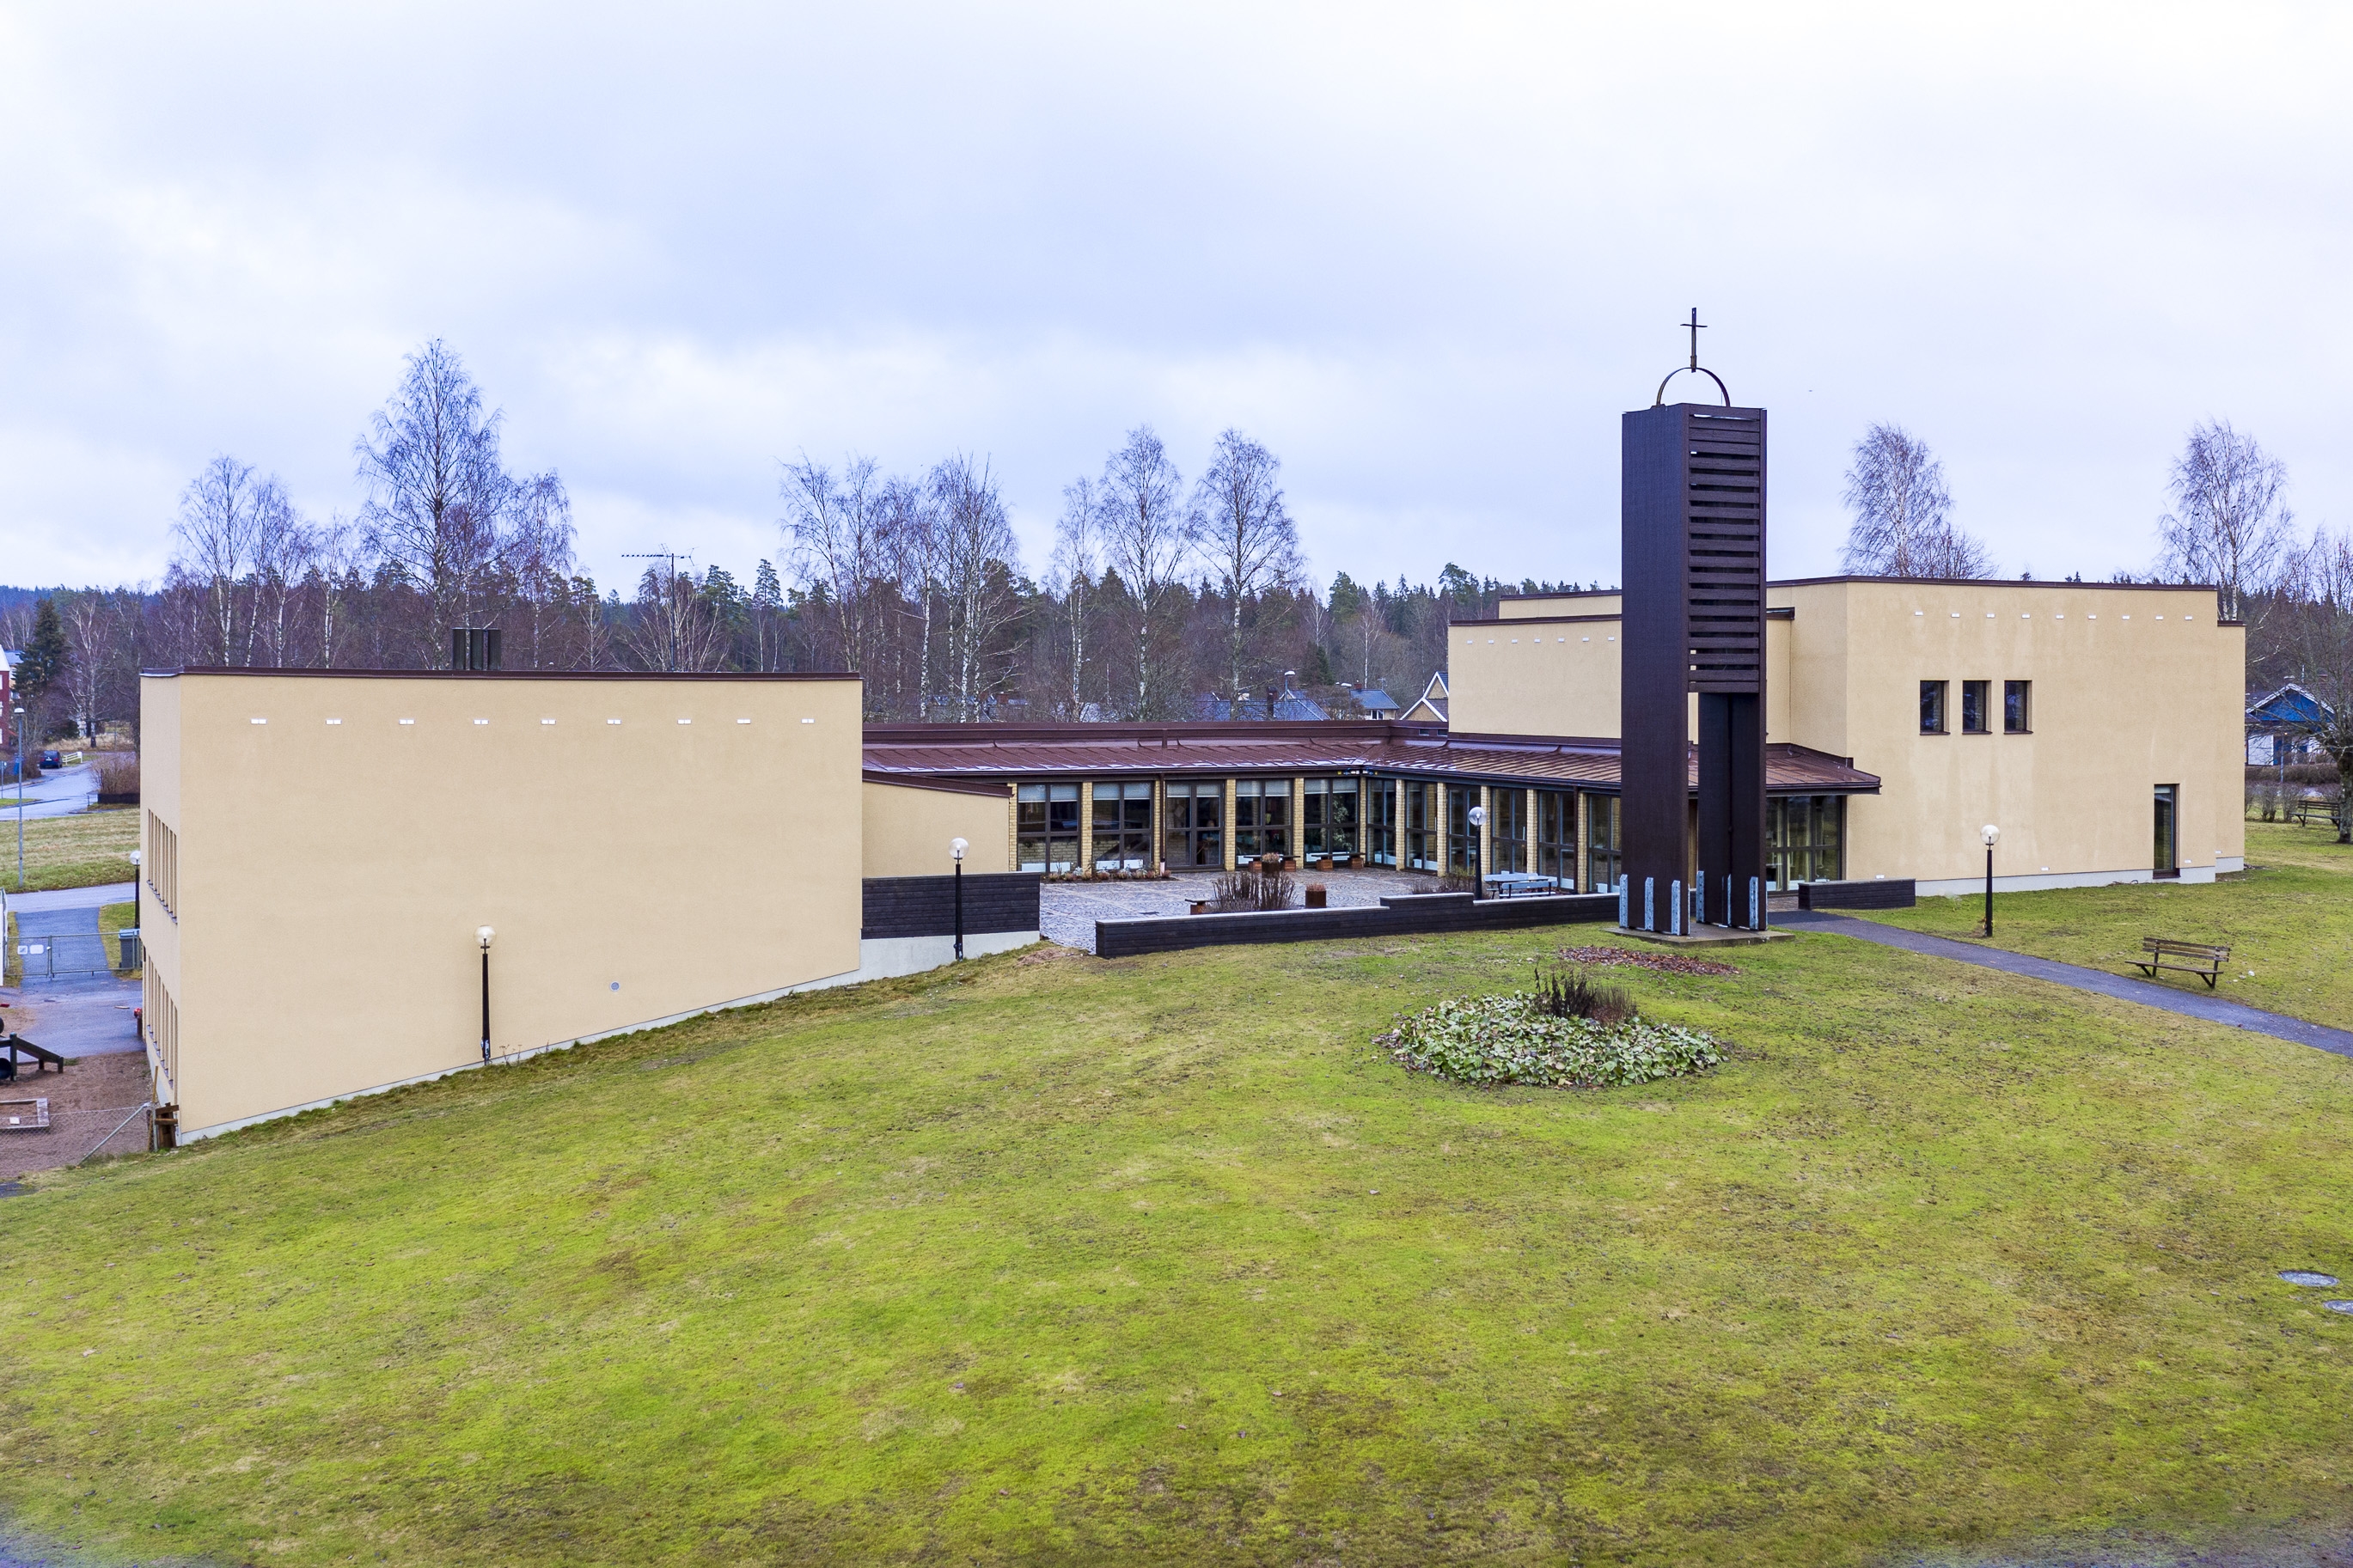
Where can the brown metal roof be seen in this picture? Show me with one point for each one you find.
(1395, 747)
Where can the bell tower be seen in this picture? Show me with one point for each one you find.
(1692, 516)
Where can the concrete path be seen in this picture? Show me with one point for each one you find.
(2123, 988)
(58, 794)
(70, 897)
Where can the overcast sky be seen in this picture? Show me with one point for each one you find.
(1427, 256)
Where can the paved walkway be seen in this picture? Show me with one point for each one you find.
(2124, 988)
(68, 898)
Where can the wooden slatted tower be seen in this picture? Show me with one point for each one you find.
(1694, 540)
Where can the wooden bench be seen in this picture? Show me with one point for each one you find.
(2202, 959)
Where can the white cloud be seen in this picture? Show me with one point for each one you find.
(1427, 256)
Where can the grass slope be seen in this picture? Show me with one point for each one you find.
(86, 850)
(1064, 1261)
(2289, 920)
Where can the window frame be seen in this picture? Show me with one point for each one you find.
(1556, 850)
(2017, 696)
(1944, 714)
(1328, 830)
(1605, 819)
(1048, 832)
(1983, 691)
(1187, 831)
(1262, 818)
(1129, 832)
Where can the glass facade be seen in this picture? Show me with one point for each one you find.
(1328, 819)
(1192, 832)
(1507, 828)
(1461, 839)
(1601, 842)
(1261, 818)
(1805, 838)
(1122, 826)
(1381, 823)
(1555, 828)
(1046, 827)
(1420, 827)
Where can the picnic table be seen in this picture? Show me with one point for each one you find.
(1520, 884)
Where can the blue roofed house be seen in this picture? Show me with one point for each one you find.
(2280, 727)
(1290, 705)
(1374, 703)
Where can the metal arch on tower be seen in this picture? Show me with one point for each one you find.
(1696, 368)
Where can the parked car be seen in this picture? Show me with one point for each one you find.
(53, 759)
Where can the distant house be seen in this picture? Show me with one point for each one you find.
(2280, 727)
(1291, 705)
(1431, 704)
(1374, 703)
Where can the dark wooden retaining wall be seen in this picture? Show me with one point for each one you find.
(925, 906)
(1881, 893)
(1410, 914)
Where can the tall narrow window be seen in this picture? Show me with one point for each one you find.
(1557, 835)
(1420, 827)
(1974, 696)
(2167, 861)
(1046, 827)
(1381, 822)
(1194, 832)
(1461, 837)
(1261, 818)
(1123, 826)
(1327, 820)
(1601, 841)
(2017, 707)
(1932, 706)
(1507, 829)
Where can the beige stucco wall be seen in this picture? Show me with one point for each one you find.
(2133, 687)
(1550, 605)
(331, 876)
(908, 830)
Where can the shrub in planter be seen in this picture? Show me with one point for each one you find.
(1485, 1041)
(1315, 896)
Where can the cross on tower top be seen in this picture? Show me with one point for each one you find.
(1694, 326)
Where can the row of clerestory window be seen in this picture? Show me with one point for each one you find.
(1976, 715)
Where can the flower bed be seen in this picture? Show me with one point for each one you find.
(1489, 1040)
(1664, 962)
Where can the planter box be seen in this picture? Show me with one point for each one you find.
(1407, 915)
(1880, 893)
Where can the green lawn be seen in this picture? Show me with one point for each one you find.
(2288, 921)
(1153, 1260)
(83, 850)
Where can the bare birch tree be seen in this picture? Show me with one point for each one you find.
(2312, 619)
(2227, 526)
(1076, 566)
(911, 526)
(1247, 539)
(219, 520)
(977, 561)
(1147, 535)
(839, 541)
(437, 497)
(1903, 524)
